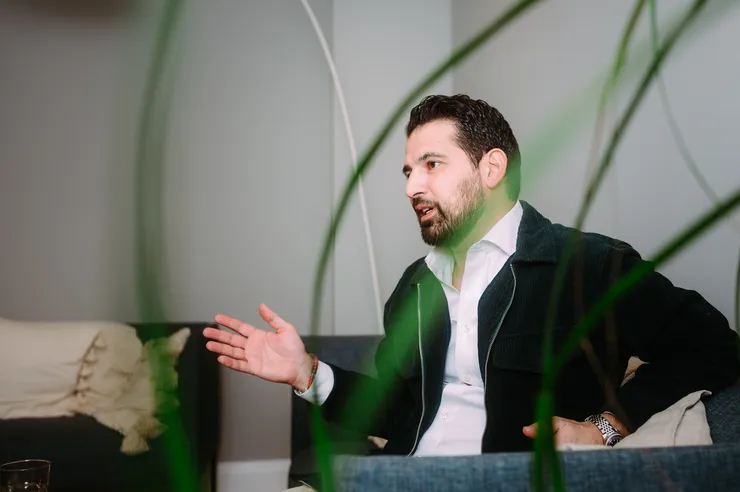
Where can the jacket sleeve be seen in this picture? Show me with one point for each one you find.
(380, 406)
(375, 406)
(687, 343)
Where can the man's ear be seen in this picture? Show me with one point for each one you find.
(493, 168)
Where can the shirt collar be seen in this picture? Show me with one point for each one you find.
(502, 235)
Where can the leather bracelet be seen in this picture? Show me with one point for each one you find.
(313, 370)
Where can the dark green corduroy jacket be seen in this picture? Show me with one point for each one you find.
(686, 342)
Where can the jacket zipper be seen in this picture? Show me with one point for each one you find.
(306, 485)
(421, 356)
(495, 332)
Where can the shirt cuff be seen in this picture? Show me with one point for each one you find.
(321, 387)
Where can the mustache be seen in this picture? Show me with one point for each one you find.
(428, 203)
(421, 201)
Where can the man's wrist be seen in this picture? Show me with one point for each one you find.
(596, 436)
(301, 383)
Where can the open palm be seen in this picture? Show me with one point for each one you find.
(278, 356)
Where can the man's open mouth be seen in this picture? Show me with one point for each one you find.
(424, 212)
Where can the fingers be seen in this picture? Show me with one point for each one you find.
(223, 349)
(225, 337)
(271, 318)
(234, 324)
(558, 423)
(530, 431)
(237, 365)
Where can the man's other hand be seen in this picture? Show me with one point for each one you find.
(569, 432)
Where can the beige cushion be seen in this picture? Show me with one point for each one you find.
(39, 367)
(133, 411)
(96, 368)
(108, 366)
(682, 424)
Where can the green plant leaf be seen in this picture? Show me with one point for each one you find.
(151, 136)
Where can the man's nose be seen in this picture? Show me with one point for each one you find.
(415, 185)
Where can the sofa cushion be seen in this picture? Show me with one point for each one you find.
(134, 411)
(40, 365)
(108, 366)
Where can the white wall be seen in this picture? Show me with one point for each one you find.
(381, 53)
(248, 176)
(65, 248)
(249, 187)
(255, 155)
(552, 58)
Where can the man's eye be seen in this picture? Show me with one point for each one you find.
(432, 164)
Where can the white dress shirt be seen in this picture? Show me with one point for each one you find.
(457, 428)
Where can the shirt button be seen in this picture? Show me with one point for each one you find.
(467, 379)
(444, 416)
(466, 328)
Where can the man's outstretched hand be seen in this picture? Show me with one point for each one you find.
(278, 356)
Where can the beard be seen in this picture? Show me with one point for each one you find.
(454, 221)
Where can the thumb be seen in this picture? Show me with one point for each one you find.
(271, 318)
(530, 430)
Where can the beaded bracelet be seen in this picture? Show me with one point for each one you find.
(313, 370)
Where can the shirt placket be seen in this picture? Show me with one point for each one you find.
(466, 349)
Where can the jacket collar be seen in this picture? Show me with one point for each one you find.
(536, 243)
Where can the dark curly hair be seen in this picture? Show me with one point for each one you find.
(480, 128)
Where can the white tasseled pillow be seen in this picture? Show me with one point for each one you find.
(96, 368)
(108, 366)
(133, 412)
(40, 364)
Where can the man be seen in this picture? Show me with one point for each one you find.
(461, 362)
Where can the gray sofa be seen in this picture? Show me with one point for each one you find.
(703, 468)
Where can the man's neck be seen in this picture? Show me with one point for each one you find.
(486, 222)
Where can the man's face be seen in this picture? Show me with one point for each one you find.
(445, 189)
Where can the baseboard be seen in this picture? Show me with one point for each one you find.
(252, 476)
